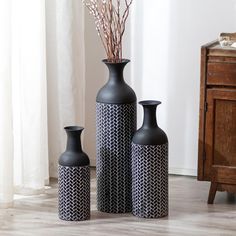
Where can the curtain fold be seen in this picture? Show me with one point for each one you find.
(23, 103)
(6, 135)
(28, 48)
(65, 72)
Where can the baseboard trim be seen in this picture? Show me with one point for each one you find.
(182, 171)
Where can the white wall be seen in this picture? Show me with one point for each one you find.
(163, 42)
(166, 40)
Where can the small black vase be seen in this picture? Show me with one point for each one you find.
(115, 126)
(150, 166)
(74, 179)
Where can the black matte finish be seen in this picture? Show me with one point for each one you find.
(150, 133)
(74, 155)
(116, 91)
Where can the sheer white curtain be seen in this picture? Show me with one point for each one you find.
(65, 72)
(23, 142)
(41, 89)
(6, 135)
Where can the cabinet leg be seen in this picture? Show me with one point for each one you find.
(212, 193)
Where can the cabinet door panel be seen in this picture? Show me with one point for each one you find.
(225, 130)
(220, 139)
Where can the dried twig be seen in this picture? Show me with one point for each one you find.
(110, 24)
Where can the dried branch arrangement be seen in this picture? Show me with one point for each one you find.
(110, 22)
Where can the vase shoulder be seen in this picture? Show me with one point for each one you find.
(150, 136)
(70, 158)
(116, 93)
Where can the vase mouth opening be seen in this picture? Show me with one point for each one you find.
(73, 128)
(122, 61)
(150, 103)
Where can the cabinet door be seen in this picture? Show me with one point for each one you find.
(220, 139)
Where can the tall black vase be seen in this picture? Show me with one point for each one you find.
(150, 166)
(115, 126)
(74, 179)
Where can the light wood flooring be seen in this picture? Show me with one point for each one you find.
(189, 215)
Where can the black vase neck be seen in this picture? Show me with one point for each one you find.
(150, 133)
(116, 70)
(116, 90)
(74, 155)
(149, 120)
(74, 138)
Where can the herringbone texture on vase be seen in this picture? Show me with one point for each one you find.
(74, 193)
(116, 125)
(150, 180)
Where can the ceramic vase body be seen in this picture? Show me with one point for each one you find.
(74, 179)
(115, 126)
(150, 167)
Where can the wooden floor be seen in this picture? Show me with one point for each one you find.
(189, 215)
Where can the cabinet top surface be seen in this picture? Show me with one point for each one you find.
(217, 46)
(214, 49)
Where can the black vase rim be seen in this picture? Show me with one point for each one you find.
(74, 128)
(123, 61)
(150, 103)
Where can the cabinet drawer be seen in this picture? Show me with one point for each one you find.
(221, 74)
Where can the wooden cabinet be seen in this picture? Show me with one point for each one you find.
(217, 126)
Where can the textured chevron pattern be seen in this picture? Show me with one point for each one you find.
(116, 125)
(74, 193)
(150, 180)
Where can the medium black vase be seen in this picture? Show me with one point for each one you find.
(115, 126)
(150, 166)
(74, 179)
